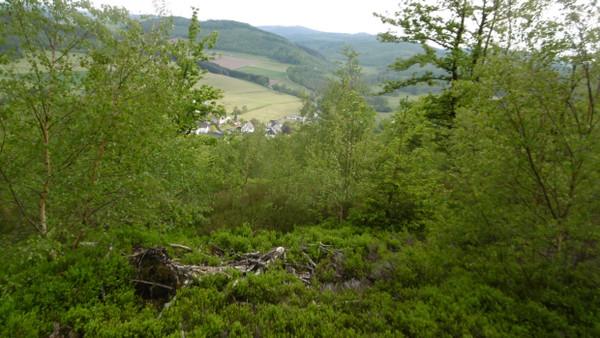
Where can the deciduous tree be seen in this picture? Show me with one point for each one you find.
(527, 148)
(88, 113)
(342, 122)
(456, 36)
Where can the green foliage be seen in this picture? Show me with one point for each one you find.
(82, 146)
(526, 161)
(467, 31)
(464, 29)
(197, 101)
(487, 228)
(340, 135)
(398, 194)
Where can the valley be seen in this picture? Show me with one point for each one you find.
(295, 64)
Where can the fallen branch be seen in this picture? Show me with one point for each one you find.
(156, 269)
(179, 246)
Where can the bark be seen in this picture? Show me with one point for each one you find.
(43, 228)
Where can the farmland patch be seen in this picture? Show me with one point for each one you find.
(261, 103)
(232, 62)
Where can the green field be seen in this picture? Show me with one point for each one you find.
(260, 58)
(23, 66)
(264, 66)
(263, 103)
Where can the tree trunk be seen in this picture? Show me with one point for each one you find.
(43, 228)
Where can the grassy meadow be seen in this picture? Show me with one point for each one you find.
(23, 66)
(262, 103)
(265, 104)
(264, 66)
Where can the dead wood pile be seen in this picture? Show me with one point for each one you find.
(158, 276)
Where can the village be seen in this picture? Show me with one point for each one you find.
(221, 126)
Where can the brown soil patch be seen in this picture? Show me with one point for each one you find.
(231, 62)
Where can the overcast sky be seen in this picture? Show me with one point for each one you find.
(340, 16)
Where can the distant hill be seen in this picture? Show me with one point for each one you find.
(309, 53)
(240, 37)
(307, 67)
(372, 52)
(375, 56)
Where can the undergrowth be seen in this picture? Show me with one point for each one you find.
(367, 283)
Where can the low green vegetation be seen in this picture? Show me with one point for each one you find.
(472, 211)
(370, 283)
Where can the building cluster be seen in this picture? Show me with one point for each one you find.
(221, 126)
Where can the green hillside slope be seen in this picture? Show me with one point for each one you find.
(375, 56)
(372, 52)
(306, 66)
(240, 37)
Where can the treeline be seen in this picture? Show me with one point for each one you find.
(240, 37)
(310, 77)
(216, 69)
(287, 90)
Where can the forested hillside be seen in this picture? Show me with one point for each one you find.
(331, 45)
(473, 211)
(308, 68)
(374, 55)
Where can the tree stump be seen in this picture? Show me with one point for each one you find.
(156, 278)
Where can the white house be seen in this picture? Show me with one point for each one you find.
(247, 128)
(274, 126)
(295, 118)
(220, 120)
(203, 128)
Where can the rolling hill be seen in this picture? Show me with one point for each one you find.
(372, 52)
(306, 67)
(292, 60)
(375, 56)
